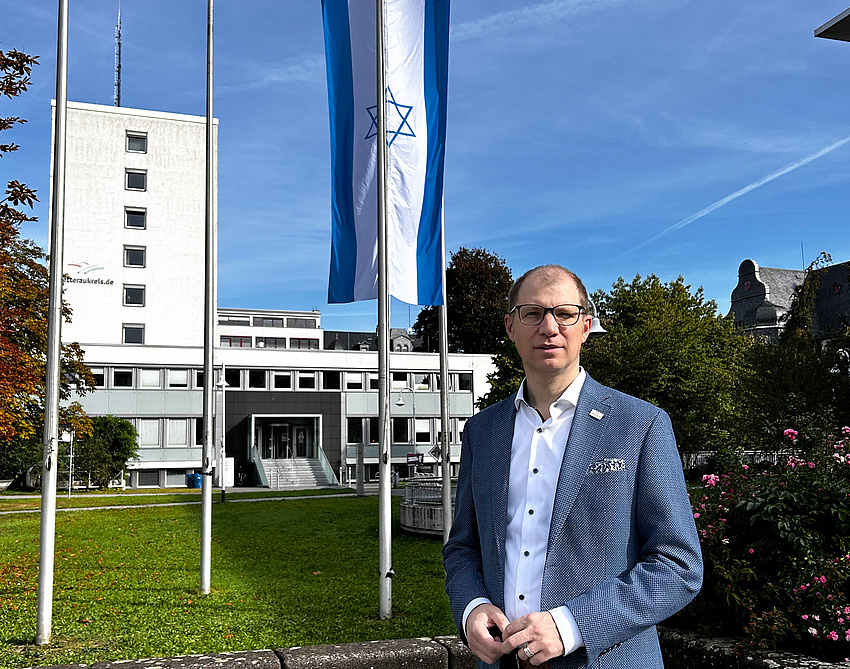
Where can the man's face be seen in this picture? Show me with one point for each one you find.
(548, 350)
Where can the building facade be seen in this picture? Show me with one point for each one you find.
(286, 391)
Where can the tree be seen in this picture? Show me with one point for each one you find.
(477, 285)
(24, 290)
(100, 456)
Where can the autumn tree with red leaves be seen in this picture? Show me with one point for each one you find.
(24, 296)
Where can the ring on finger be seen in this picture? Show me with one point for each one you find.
(527, 651)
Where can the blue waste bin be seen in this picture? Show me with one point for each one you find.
(193, 480)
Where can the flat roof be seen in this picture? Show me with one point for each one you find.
(836, 28)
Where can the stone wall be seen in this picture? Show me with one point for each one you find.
(681, 650)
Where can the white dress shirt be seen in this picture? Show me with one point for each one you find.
(537, 451)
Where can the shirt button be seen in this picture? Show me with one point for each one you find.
(534, 470)
(539, 430)
(521, 597)
(526, 553)
(531, 512)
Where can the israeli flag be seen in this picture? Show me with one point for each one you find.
(416, 61)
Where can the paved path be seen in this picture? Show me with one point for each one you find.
(369, 490)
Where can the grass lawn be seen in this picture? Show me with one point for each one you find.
(15, 502)
(284, 573)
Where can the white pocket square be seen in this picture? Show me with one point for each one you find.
(607, 465)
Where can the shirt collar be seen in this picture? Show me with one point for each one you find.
(567, 400)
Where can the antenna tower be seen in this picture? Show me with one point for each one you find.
(116, 97)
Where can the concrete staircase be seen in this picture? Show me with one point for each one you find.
(295, 473)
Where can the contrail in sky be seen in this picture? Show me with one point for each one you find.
(746, 189)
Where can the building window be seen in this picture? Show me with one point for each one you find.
(148, 433)
(235, 342)
(422, 382)
(331, 380)
(178, 378)
(300, 323)
(461, 424)
(199, 432)
(233, 377)
(423, 430)
(401, 434)
(134, 256)
(282, 380)
(306, 380)
(149, 378)
(271, 342)
(353, 381)
(135, 218)
(373, 381)
(134, 296)
(148, 478)
(399, 380)
(295, 342)
(99, 377)
(257, 378)
(374, 431)
(122, 378)
(263, 322)
(133, 334)
(355, 430)
(464, 381)
(233, 320)
(137, 142)
(136, 179)
(178, 431)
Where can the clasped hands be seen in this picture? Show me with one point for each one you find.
(490, 635)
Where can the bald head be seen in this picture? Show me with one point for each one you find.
(549, 274)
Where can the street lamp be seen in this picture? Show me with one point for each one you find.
(400, 403)
(596, 329)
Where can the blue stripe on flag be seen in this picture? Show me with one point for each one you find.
(429, 241)
(341, 104)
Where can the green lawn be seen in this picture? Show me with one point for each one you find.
(284, 573)
(17, 502)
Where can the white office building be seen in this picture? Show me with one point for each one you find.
(293, 402)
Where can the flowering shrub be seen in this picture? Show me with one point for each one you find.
(776, 547)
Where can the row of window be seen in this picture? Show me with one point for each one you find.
(265, 379)
(267, 322)
(169, 432)
(134, 256)
(425, 430)
(230, 341)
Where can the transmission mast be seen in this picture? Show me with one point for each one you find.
(116, 97)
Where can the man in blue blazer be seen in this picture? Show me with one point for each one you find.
(573, 533)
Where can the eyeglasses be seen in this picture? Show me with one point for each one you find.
(564, 314)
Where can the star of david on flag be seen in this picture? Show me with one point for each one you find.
(402, 111)
(416, 70)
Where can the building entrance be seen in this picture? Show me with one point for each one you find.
(285, 439)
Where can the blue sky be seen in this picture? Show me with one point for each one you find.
(616, 137)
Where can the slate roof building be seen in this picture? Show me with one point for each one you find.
(763, 296)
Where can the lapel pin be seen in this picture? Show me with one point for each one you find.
(598, 415)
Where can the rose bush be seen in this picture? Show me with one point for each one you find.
(776, 547)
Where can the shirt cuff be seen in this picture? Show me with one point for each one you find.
(567, 628)
(478, 601)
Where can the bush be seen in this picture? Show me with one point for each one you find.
(776, 547)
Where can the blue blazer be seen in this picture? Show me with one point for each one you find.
(623, 550)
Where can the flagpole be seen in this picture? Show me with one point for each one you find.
(384, 461)
(442, 312)
(47, 540)
(209, 325)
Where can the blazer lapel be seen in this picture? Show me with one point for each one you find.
(589, 423)
(499, 461)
